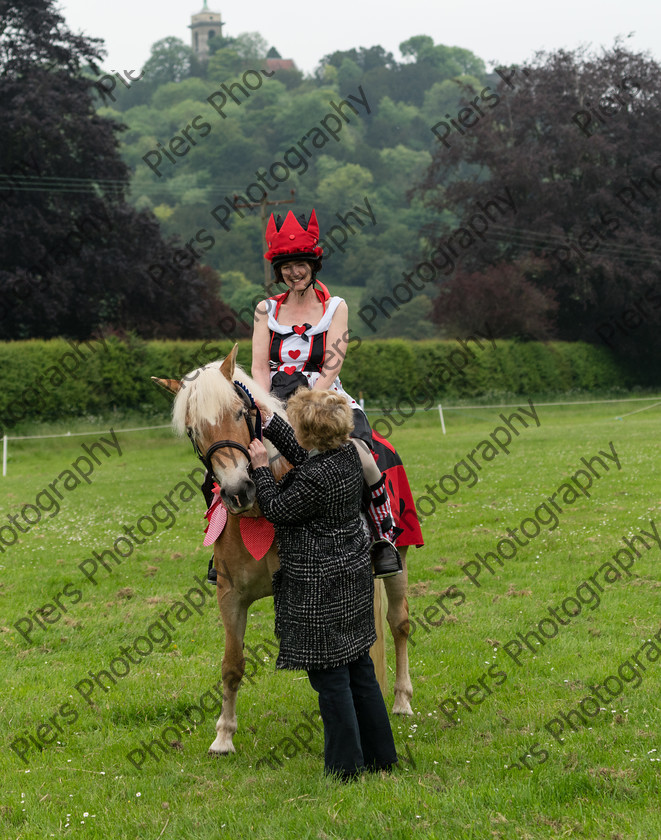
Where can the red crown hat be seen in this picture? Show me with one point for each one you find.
(291, 240)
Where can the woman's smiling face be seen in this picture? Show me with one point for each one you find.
(296, 274)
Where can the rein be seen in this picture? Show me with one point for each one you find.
(254, 430)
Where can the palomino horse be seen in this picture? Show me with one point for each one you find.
(218, 418)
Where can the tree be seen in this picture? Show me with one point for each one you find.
(574, 141)
(417, 47)
(451, 61)
(447, 96)
(365, 58)
(74, 256)
(242, 295)
(224, 64)
(395, 123)
(346, 186)
(250, 46)
(409, 319)
(349, 75)
(501, 296)
(170, 61)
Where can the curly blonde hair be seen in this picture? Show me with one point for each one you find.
(321, 419)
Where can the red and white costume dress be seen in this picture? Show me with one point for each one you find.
(302, 348)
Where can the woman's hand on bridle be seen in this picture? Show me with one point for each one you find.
(264, 410)
(258, 454)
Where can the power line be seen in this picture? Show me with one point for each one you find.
(25, 183)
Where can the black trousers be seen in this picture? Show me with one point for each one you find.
(357, 733)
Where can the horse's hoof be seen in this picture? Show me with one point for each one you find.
(402, 707)
(221, 748)
(218, 753)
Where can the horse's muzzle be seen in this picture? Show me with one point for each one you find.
(239, 498)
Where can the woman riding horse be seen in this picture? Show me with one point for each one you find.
(300, 337)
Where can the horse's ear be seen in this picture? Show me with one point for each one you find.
(171, 385)
(227, 367)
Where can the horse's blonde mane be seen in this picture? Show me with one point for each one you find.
(205, 395)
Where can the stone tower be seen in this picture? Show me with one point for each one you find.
(204, 25)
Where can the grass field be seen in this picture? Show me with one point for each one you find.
(479, 757)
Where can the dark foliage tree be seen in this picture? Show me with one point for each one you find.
(74, 256)
(575, 140)
(501, 296)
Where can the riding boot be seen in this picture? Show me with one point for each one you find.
(207, 492)
(386, 559)
(207, 487)
(212, 575)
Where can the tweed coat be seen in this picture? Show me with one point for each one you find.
(324, 589)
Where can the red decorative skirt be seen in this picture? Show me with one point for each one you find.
(399, 491)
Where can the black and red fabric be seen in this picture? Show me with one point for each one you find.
(292, 239)
(399, 491)
(302, 348)
(299, 341)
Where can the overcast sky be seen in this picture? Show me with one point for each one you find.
(501, 32)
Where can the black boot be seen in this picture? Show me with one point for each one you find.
(386, 560)
(212, 575)
(207, 492)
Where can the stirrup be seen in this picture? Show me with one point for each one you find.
(385, 558)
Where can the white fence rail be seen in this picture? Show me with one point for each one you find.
(7, 438)
(441, 409)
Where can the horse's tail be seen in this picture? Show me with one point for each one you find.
(378, 649)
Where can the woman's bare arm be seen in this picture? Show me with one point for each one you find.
(260, 347)
(336, 347)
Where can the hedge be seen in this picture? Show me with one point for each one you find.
(47, 380)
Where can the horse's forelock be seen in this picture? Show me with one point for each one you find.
(205, 395)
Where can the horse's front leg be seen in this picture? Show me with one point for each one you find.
(398, 619)
(234, 612)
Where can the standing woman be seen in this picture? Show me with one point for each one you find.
(323, 591)
(300, 337)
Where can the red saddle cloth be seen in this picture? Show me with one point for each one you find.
(399, 491)
(257, 533)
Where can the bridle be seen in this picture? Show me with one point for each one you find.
(254, 430)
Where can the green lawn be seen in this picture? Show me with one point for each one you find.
(485, 703)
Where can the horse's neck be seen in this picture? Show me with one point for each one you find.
(279, 467)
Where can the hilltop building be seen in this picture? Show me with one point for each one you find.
(204, 25)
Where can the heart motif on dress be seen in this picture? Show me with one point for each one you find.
(294, 353)
(290, 369)
(300, 330)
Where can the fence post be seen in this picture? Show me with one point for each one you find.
(4, 455)
(440, 411)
